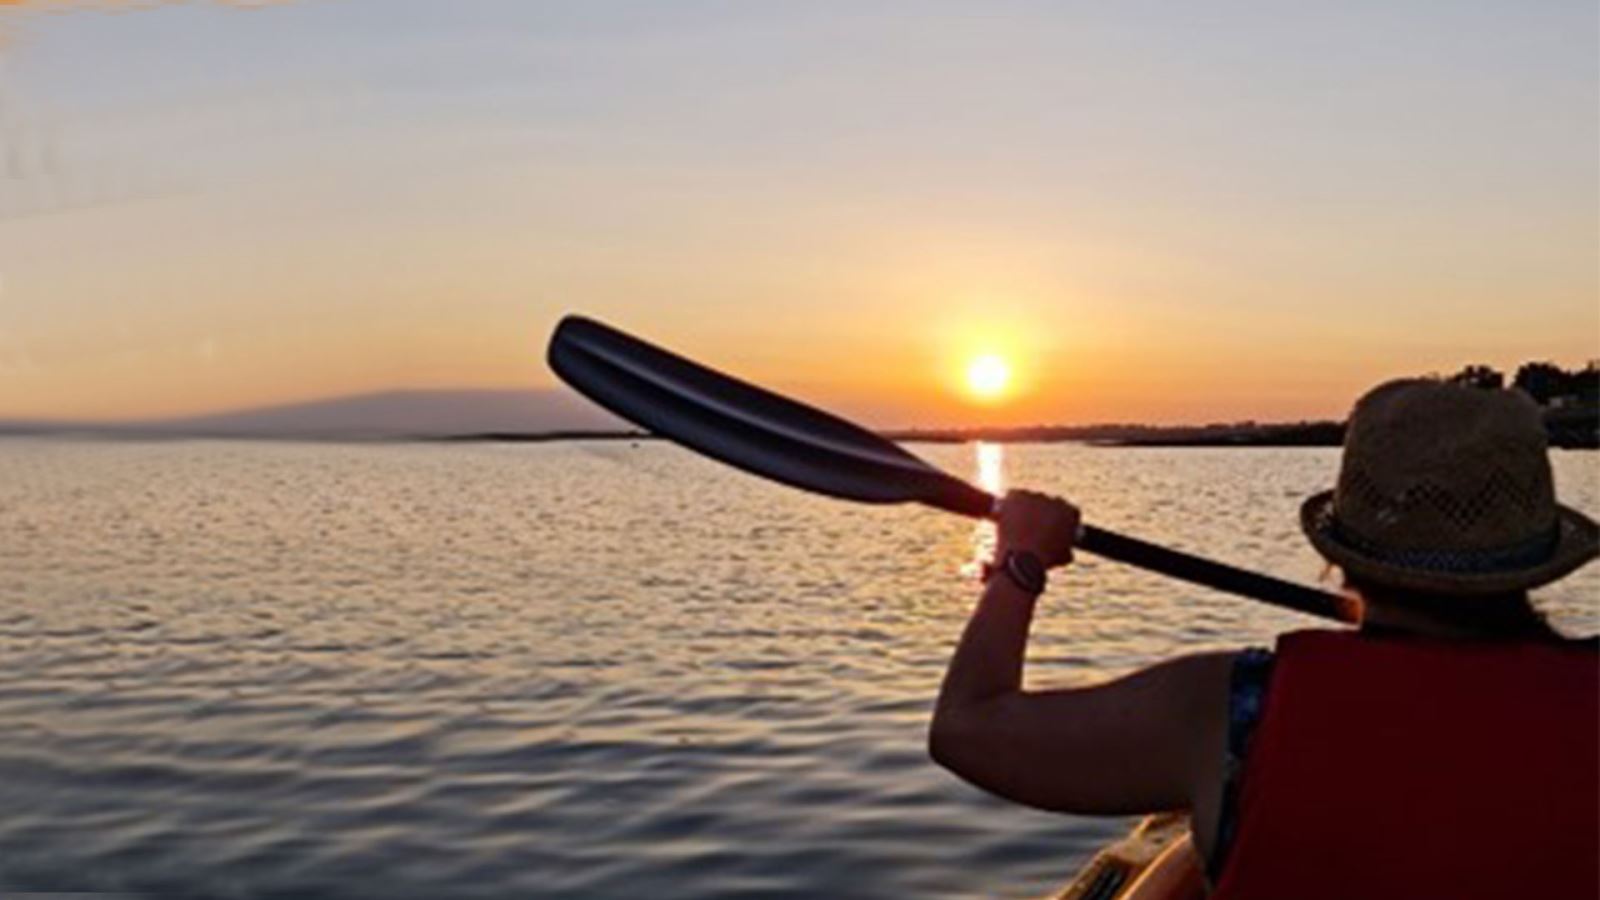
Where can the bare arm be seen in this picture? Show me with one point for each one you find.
(1149, 741)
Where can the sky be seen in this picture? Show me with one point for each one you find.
(1161, 212)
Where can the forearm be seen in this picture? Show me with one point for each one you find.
(1150, 740)
(988, 659)
(982, 691)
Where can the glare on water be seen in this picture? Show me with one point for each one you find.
(990, 475)
(587, 669)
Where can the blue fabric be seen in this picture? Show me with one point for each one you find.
(1247, 696)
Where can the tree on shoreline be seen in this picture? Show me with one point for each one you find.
(1547, 383)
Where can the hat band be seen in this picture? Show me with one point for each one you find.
(1494, 560)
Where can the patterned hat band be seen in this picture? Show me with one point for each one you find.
(1492, 560)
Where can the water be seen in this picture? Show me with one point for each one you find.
(233, 669)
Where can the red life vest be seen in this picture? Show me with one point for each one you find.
(1410, 768)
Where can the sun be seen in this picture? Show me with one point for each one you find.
(987, 376)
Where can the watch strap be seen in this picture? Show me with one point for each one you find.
(1025, 570)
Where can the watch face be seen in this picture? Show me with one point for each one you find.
(1028, 569)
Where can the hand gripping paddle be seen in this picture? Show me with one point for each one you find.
(778, 438)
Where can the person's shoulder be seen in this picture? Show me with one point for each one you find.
(1201, 675)
(1202, 661)
(1178, 686)
(1320, 637)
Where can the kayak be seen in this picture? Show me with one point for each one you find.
(1156, 861)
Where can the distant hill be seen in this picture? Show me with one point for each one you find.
(391, 414)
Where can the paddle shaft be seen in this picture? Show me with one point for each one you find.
(960, 497)
(1217, 575)
(779, 438)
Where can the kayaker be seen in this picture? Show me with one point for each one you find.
(1450, 747)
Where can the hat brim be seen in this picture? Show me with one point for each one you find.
(1577, 542)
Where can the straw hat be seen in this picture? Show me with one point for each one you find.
(1446, 488)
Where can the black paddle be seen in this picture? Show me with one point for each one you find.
(778, 438)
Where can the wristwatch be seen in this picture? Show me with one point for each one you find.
(1024, 570)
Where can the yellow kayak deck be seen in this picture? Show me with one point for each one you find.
(1156, 861)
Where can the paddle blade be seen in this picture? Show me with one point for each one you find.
(746, 426)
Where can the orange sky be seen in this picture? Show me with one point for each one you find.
(1255, 219)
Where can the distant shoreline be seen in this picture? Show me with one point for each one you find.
(1301, 434)
(1580, 432)
(1568, 429)
(1570, 403)
(1238, 434)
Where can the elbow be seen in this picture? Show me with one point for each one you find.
(966, 738)
(950, 737)
(939, 738)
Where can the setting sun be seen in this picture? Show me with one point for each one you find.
(987, 376)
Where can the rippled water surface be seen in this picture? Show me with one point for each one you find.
(234, 669)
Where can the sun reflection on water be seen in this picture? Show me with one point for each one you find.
(991, 466)
(473, 653)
